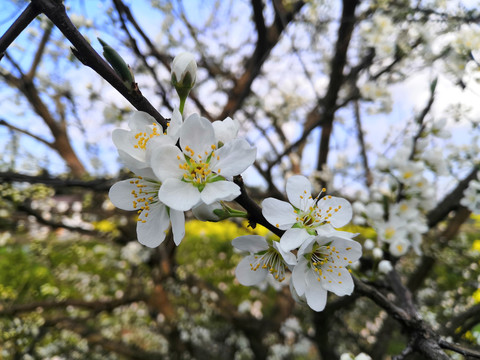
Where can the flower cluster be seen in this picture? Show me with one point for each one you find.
(397, 207)
(323, 253)
(189, 165)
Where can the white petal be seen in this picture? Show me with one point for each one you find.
(134, 163)
(251, 243)
(153, 231)
(299, 274)
(165, 163)
(299, 189)
(279, 213)
(197, 133)
(314, 293)
(339, 282)
(178, 195)
(225, 130)
(343, 214)
(294, 238)
(138, 121)
(246, 276)
(154, 146)
(146, 173)
(235, 157)
(183, 63)
(287, 256)
(177, 219)
(299, 299)
(125, 140)
(121, 196)
(349, 249)
(219, 190)
(306, 247)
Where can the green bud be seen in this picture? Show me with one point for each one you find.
(119, 65)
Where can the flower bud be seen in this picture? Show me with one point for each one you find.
(385, 266)
(377, 253)
(184, 73)
(204, 212)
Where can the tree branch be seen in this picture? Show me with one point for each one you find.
(361, 141)
(94, 185)
(26, 132)
(55, 11)
(20, 24)
(451, 201)
(255, 215)
(97, 305)
(338, 62)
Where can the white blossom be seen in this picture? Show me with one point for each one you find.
(197, 172)
(305, 216)
(322, 266)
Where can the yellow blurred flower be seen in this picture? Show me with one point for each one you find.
(476, 245)
(476, 296)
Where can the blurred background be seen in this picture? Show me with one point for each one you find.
(358, 96)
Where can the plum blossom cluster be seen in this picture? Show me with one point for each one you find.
(312, 248)
(172, 179)
(189, 166)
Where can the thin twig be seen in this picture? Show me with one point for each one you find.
(26, 132)
(361, 141)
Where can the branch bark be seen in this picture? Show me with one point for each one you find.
(338, 63)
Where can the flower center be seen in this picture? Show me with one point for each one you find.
(310, 215)
(145, 194)
(198, 168)
(272, 261)
(389, 232)
(143, 137)
(322, 261)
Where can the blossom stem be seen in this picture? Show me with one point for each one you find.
(182, 104)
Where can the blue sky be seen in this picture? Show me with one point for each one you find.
(408, 97)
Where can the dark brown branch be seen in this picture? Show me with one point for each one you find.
(422, 338)
(257, 6)
(465, 321)
(97, 305)
(255, 215)
(55, 11)
(459, 349)
(94, 185)
(451, 201)
(25, 18)
(337, 64)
